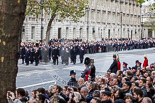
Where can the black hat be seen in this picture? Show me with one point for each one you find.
(114, 56)
(87, 61)
(137, 61)
(108, 93)
(72, 72)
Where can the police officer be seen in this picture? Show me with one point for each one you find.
(72, 81)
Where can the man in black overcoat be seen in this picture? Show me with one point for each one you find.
(81, 54)
(113, 67)
(27, 55)
(31, 55)
(36, 56)
(73, 54)
(55, 55)
(22, 54)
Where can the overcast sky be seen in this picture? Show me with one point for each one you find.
(148, 2)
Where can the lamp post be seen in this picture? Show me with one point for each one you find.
(41, 16)
(87, 9)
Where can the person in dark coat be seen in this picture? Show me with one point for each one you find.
(62, 54)
(31, 55)
(27, 56)
(66, 56)
(93, 70)
(55, 55)
(72, 81)
(50, 52)
(81, 54)
(113, 67)
(46, 54)
(22, 54)
(73, 55)
(36, 56)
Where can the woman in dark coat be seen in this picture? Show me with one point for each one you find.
(66, 56)
(46, 55)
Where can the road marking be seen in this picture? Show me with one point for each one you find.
(33, 85)
(28, 73)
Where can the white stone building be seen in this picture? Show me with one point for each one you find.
(147, 22)
(103, 19)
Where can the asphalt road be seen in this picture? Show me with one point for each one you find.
(32, 77)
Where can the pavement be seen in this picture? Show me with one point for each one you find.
(44, 75)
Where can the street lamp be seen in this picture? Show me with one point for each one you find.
(41, 16)
(87, 10)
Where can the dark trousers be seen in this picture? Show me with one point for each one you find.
(22, 60)
(31, 61)
(27, 62)
(81, 59)
(55, 59)
(74, 60)
(36, 62)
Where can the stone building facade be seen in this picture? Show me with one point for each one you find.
(147, 24)
(103, 19)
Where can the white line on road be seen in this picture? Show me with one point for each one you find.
(33, 85)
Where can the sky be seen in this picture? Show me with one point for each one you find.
(148, 2)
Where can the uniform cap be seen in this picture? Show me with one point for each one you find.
(72, 72)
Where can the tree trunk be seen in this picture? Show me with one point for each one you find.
(12, 14)
(49, 28)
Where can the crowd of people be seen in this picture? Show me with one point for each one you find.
(69, 49)
(127, 85)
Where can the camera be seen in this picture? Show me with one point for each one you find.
(9, 94)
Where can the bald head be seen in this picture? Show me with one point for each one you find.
(146, 100)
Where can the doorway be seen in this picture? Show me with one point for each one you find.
(131, 34)
(149, 33)
(74, 33)
(59, 33)
(109, 33)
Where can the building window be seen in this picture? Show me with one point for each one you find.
(23, 28)
(32, 32)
